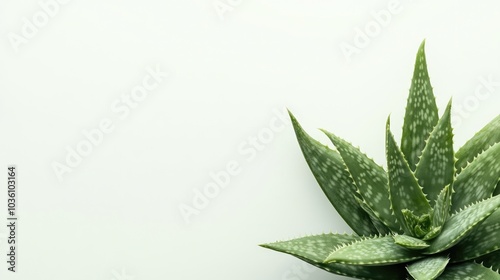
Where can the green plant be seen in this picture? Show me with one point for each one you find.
(434, 214)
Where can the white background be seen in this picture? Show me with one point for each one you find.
(116, 214)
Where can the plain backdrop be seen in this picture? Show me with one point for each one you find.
(67, 68)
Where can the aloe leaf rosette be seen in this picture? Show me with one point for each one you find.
(433, 213)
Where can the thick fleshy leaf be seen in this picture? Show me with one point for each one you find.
(330, 172)
(435, 231)
(372, 251)
(442, 207)
(386, 272)
(469, 271)
(484, 239)
(409, 242)
(478, 180)
(429, 268)
(497, 191)
(418, 226)
(436, 167)
(490, 260)
(314, 249)
(462, 223)
(370, 178)
(381, 227)
(486, 137)
(405, 191)
(421, 111)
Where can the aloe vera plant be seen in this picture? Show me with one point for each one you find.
(433, 214)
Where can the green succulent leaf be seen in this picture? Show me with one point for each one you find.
(381, 227)
(418, 226)
(433, 214)
(433, 233)
(462, 223)
(370, 178)
(405, 192)
(429, 268)
(410, 242)
(469, 271)
(490, 260)
(330, 172)
(387, 272)
(442, 207)
(314, 249)
(479, 179)
(421, 111)
(436, 169)
(484, 239)
(372, 251)
(486, 137)
(410, 221)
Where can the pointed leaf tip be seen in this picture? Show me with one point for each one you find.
(373, 251)
(410, 242)
(429, 268)
(406, 193)
(441, 210)
(314, 249)
(436, 167)
(421, 111)
(331, 174)
(370, 179)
